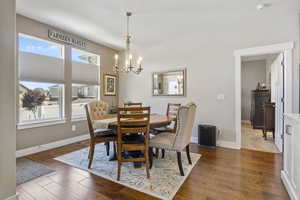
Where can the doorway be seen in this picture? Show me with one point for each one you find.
(286, 50)
(261, 102)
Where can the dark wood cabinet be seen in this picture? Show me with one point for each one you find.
(269, 119)
(258, 99)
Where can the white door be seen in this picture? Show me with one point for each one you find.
(279, 97)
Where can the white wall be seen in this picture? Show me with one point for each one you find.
(7, 100)
(252, 73)
(205, 46)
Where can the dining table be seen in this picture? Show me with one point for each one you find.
(156, 121)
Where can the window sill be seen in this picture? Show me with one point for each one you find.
(78, 119)
(22, 126)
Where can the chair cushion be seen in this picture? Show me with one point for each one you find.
(104, 133)
(164, 140)
(162, 129)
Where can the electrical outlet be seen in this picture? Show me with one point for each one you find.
(73, 128)
(220, 97)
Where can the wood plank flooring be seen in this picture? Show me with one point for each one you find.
(221, 173)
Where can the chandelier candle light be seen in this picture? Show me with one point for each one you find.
(129, 65)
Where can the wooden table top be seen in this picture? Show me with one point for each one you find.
(155, 119)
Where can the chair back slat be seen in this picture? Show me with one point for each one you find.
(131, 104)
(140, 118)
(172, 109)
(133, 116)
(133, 130)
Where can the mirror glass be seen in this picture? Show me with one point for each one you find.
(171, 83)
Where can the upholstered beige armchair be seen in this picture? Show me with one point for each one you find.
(98, 109)
(177, 142)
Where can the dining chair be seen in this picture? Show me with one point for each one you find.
(133, 124)
(172, 111)
(94, 111)
(181, 139)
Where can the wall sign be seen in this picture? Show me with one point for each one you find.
(62, 37)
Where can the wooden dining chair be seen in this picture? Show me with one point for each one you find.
(172, 111)
(128, 124)
(181, 139)
(94, 110)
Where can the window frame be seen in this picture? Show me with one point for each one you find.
(82, 117)
(45, 122)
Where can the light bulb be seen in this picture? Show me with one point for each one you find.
(116, 56)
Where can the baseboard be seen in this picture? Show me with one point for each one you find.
(246, 122)
(220, 143)
(288, 186)
(194, 139)
(52, 145)
(14, 197)
(227, 144)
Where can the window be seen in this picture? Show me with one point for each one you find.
(85, 80)
(41, 80)
(39, 101)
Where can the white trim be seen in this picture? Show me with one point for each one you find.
(220, 143)
(287, 48)
(37, 124)
(288, 186)
(194, 139)
(246, 122)
(228, 144)
(78, 118)
(14, 197)
(52, 145)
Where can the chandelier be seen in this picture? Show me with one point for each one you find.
(130, 65)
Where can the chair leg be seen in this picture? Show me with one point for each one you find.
(180, 163)
(265, 134)
(107, 144)
(156, 153)
(163, 153)
(187, 148)
(119, 170)
(150, 157)
(146, 154)
(115, 150)
(119, 156)
(91, 154)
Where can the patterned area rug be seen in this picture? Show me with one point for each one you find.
(164, 181)
(28, 170)
(253, 139)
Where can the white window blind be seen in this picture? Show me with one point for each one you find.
(40, 68)
(83, 73)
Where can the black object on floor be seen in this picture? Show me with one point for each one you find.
(207, 135)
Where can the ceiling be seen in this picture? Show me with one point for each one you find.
(103, 21)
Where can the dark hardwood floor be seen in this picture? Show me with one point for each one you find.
(220, 174)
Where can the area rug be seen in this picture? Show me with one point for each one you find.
(164, 181)
(253, 139)
(28, 170)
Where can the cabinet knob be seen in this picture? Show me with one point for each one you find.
(288, 129)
